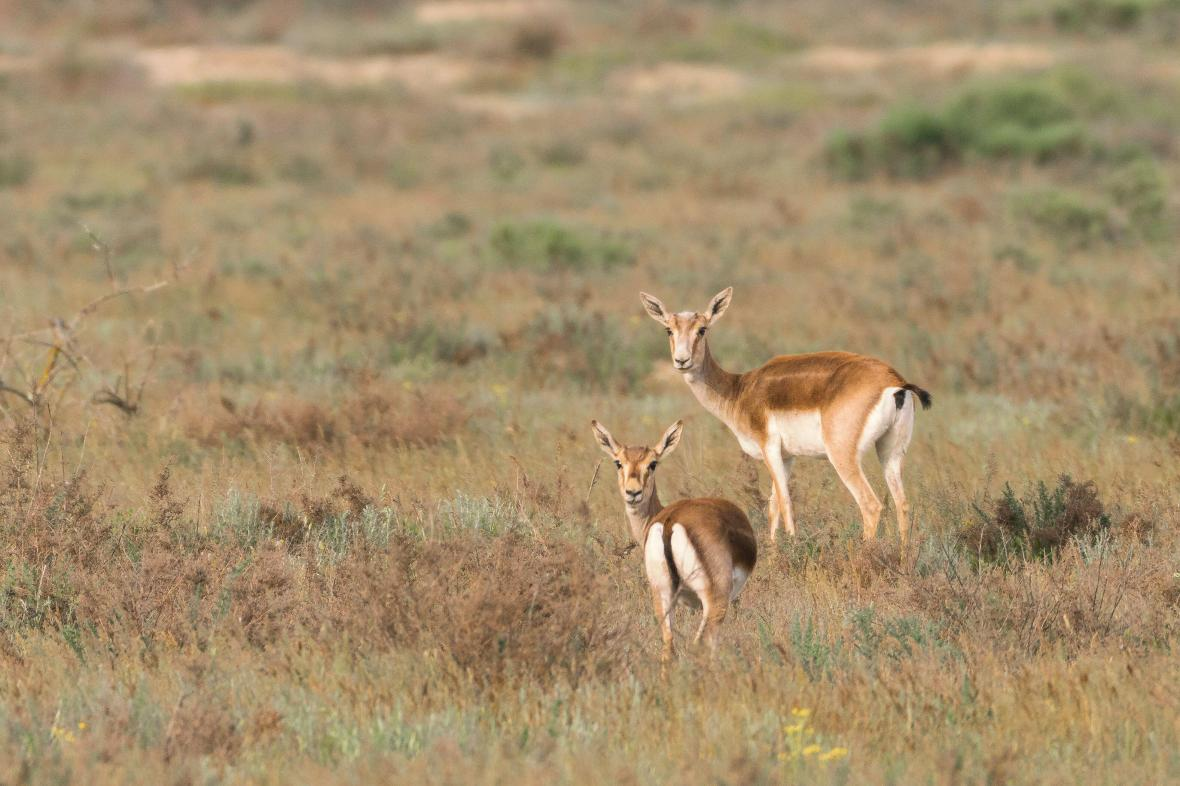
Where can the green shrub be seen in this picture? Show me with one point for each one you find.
(506, 164)
(547, 245)
(1015, 119)
(587, 348)
(915, 142)
(455, 224)
(302, 170)
(538, 39)
(1002, 120)
(456, 344)
(15, 170)
(1075, 220)
(1038, 524)
(1157, 413)
(224, 170)
(1139, 188)
(1098, 15)
(847, 155)
(562, 153)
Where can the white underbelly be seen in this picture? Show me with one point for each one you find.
(749, 446)
(799, 433)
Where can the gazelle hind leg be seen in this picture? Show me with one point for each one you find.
(851, 472)
(773, 511)
(891, 450)
(780, 475)
(713, 591)
(663, 594)
(713, 610)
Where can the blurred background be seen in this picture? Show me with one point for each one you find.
(460, 199)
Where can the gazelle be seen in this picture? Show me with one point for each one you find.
(833, 404)
(701, 550)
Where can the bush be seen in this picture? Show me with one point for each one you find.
(223, 170)
(1016, 119)
(439, 341)
(546, 245)
(15, 171)
(1138, 187)
(1076, 221)
(915, 142)
(1038, 524)
(589, 349)
(1099, 15)
(374, 415)
(538, 39)
(1005, 120)
(847, 155)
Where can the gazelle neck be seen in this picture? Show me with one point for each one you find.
(639, 516)
(713, 386)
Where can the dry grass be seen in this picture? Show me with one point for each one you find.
(348, 532)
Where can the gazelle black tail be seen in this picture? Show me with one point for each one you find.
(922, 395)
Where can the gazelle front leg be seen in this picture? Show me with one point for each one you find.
(780, 504)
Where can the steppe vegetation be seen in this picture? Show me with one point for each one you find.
(314, 500)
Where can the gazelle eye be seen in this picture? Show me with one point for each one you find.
(701, 331)
(618, 465)
(651, 467)
(668, 330)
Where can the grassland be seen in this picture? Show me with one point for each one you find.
(342, 525)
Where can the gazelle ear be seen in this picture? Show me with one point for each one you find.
(604, 439)
(655, 308)
(671, 439)
(719, 303)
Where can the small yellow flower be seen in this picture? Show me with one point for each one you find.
(81, 725)
(811, 750)
(58, 733)
(1132, 439)
(834, 753)
(794, 728)
(801, 712)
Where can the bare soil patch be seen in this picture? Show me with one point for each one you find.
(186, 65)
(681, 80)
(945, 58)
(447, 11)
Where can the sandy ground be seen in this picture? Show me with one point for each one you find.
(186, 65)
(449, 11)
(449, 76)
(947, 58)
(684, 81)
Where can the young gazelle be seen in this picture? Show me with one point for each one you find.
(701, 550)
(833, 404)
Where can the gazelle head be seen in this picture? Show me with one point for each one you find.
(637, 465)
(686, 329)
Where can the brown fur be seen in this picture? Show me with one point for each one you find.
(842, 387)
(816, 381)
(719, 532)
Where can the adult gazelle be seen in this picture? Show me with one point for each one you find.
(697, 550)
(832, 404)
